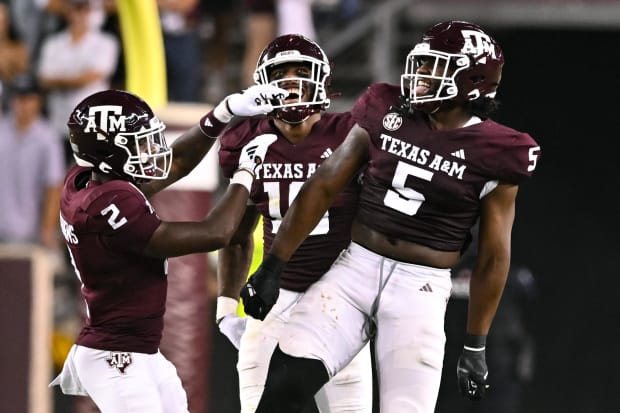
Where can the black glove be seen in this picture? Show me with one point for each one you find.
(471, 369)
(262, 289)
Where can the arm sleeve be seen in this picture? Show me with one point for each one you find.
(522, 159)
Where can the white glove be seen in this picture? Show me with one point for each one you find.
(233, 326)
(253, 153)
(255, 100)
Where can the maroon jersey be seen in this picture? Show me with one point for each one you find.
(279, 179)
(425, 186)
(106, 227)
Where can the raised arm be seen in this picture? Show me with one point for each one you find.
(187, 152)
(192, 146)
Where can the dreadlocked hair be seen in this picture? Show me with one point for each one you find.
(485, 107)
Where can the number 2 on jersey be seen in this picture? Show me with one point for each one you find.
(113, 220)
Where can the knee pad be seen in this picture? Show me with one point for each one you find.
(291, 383)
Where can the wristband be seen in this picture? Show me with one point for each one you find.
(273, 263)
(243, 177)
(475, 342)
(225, 306)
(211, 125)
(222, 111)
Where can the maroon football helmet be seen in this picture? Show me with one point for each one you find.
(309, 95)
(118, 134)
(461, 62)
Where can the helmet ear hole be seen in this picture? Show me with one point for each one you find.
(474, 94)
(462, 61)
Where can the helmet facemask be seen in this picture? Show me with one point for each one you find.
(148, 154)
(308, 95)
(439, 83)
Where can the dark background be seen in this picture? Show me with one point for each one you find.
(562, 87)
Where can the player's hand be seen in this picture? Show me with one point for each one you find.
(227, 320)
(253, 153)
(255, 100)
(472, 373)
(262, 289)
(233, 326)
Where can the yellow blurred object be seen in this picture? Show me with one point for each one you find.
(257, 257)
(61, 344)
(145, 62)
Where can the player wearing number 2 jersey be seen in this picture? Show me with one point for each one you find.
(435, 164)
(305, 138)
(118, 245)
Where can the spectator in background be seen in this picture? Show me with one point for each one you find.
(260, 29)
(13, 53)
(75, 63)
(267, 18)
(295, 16)
(31, 170)
(182, 49)
(33, 21)
(222, 15)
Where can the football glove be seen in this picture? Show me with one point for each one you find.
(471, 370)
(262, 289)
(253, 153)
(233, 326)
(255, 100)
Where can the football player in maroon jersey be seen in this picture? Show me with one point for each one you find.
(436, 164)
(305, 137)
(118, 245)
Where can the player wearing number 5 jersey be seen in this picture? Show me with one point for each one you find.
(118, 245)
(306, 137)
(435, 164)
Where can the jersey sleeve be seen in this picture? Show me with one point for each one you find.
(235, 137)
(228, 155)
(373, 105)
(521, 160)
(126, 219)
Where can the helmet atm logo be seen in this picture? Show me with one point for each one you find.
(110, 120)
(478, 44)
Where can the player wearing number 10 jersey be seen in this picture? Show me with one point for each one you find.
(306, 137)
(435, 164)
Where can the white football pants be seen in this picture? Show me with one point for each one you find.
(330, 323)
(148, 382)
(349, 391)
